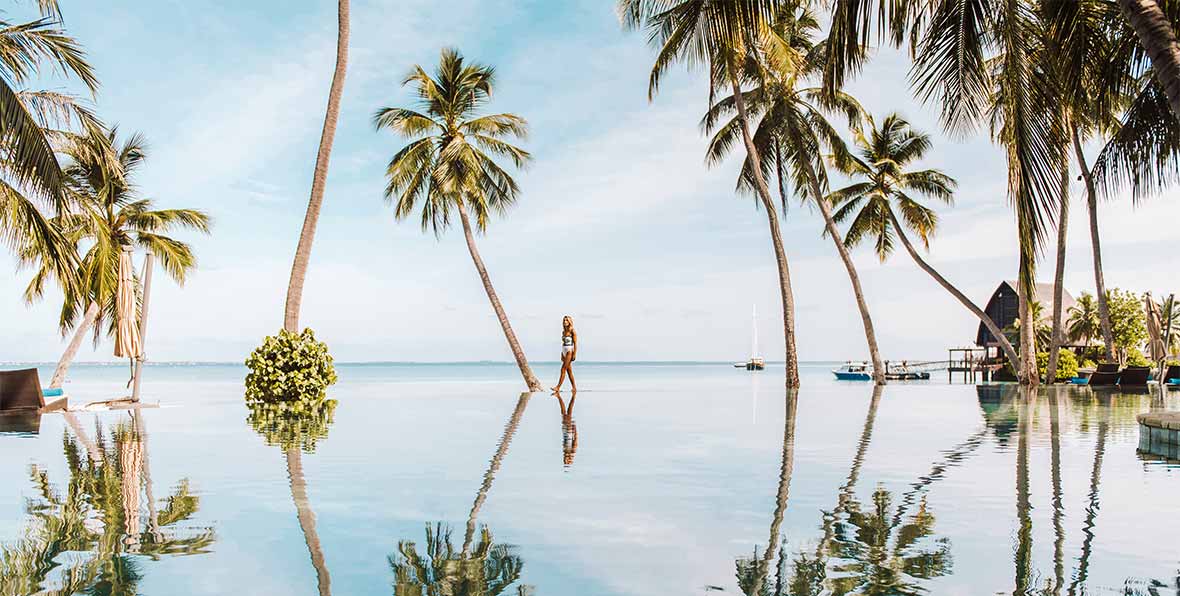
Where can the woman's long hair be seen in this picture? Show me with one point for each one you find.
(567, 326)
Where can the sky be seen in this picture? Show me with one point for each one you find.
(619, 224)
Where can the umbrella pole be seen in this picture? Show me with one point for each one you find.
(143, 319)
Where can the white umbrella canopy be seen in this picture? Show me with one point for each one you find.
(127, 341)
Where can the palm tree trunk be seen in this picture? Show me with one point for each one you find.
(493, 467)
(780, 254)
(1027, 373)
(1158, 39)
(63, 365)
(307, 520)
(319, 178)
(1058, 337)
(846, 257)
(1096, 247)
(517, 352)
(1005, 345)
(784, 486)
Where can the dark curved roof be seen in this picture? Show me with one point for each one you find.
(1003, 308)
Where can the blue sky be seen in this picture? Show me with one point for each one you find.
(620, 224)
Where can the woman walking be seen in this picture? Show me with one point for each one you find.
(569, 352)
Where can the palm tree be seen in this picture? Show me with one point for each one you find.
(1083, 322)
(981, 61)
(880, 162)
(31, 179)
(449, 163)
(716, 35)
(110, 217)
(319, 177)
(792, 129)
(1157, 37)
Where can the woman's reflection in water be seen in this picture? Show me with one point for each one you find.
(569, 430)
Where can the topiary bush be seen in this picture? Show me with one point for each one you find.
(1067, 365)
(292, 425)
(290, 369)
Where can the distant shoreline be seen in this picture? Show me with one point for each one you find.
(439, 363)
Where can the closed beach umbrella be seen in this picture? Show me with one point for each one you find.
(127, 341)
(1154, 330)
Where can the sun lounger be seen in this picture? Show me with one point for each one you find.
(21, 390)
(1108, 367)
(1173, 372)
(1134, 376)
(1102, 378)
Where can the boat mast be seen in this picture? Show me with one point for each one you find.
(754, 342)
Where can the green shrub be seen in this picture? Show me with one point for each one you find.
(290, 426)
(290, 369)
(1067, 365)
(1087, 363)
(1136, 358)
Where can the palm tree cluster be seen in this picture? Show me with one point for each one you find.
(69, 206)
(1044, 77)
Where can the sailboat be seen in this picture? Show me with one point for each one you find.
(755, 362)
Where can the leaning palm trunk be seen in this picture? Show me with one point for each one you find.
(1158, 39)
(527, 372)
(1005, 345)
(319, 178)
(493, 467)
(846, 257)
(1058, 337)
(1096, 247)
(63, 365)
(784, 486)
(780, 254)
(307, 519)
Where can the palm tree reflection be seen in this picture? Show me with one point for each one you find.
(93, 537)
(476, 568)
(296, 433)
(866, 549)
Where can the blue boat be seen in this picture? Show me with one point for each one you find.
(853, 372)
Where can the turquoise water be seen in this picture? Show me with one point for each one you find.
(657, 479)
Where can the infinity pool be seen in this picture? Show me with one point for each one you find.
(656, 479)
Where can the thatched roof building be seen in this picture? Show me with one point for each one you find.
(1004, 308)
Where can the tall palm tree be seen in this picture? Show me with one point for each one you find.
(886, 186)
(31, 179)
(320, 175)
(792, 130)
(110, 216)
(450, 163)
(981, 61)
(717, 36)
